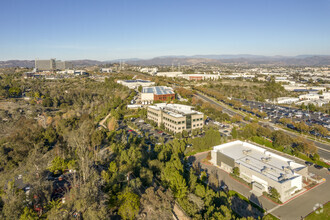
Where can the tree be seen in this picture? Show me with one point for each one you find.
(234, 133)
(15, 92)
(129, 205)
(47, 102)
(274, 193)
(280, 138)
(28, 214)
(321, 130)
(302, 127)
(140, 88)
(236, 118)
(236, 171)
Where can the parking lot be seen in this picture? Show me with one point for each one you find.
(149, 131)
(276, 112)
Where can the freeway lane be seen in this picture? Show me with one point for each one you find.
(224, 108)
(323, 148)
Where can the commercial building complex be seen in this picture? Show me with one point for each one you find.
(196, 77)
(156, 93)
(133, 84)
(263, 169)
(175, 117)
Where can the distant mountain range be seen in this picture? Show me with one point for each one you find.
(301, 60)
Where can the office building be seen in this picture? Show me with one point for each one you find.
(45, 65)
(260, 167)
(52, 65)
(175, 117)
(63, 65)
(156, 93)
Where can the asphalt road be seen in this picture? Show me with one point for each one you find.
(224, 108)
(323, 149)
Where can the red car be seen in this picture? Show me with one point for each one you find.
(130, 130)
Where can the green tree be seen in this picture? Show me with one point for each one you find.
(15, 92)
(28, 214)
(236, 171)
(129, 205)
(234, 133)
(274, 193)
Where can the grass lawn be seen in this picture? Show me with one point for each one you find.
(321, 216)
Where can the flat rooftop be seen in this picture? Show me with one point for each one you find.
(158, 90)
(269, 164)
(175, 110)
(136, 81)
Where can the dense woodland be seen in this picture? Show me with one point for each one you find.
(52, 145)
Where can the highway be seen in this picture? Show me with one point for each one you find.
(323, 148)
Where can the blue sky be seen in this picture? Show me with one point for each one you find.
(108, 29)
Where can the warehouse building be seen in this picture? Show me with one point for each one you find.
(263, 169)
(175, 117)
(134, 84)
(156, 93)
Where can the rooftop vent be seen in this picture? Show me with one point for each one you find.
(288, 169)
(265, 159)
(265, 169)
(247, 160)
(247, 152)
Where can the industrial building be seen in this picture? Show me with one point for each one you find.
(175, 117)
(260, 167)
(198, 77)
(133, 84)
(156, 93)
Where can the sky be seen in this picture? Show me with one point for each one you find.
(108, 29)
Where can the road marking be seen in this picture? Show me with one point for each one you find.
(273, 209)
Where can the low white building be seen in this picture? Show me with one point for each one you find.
(287, 100)
(298, 88)
(260, 167)
(133, 84)
(106, 70)
(200, 76)
(310, 96)
(149, 70)
(169, 74)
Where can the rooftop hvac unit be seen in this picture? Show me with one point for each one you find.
(282, 177)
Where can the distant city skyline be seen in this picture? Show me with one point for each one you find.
(107, 30)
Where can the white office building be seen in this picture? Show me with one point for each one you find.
(260, 167)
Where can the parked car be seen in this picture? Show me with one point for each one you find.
(318, 166)
(224, 188)
(308, 163)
